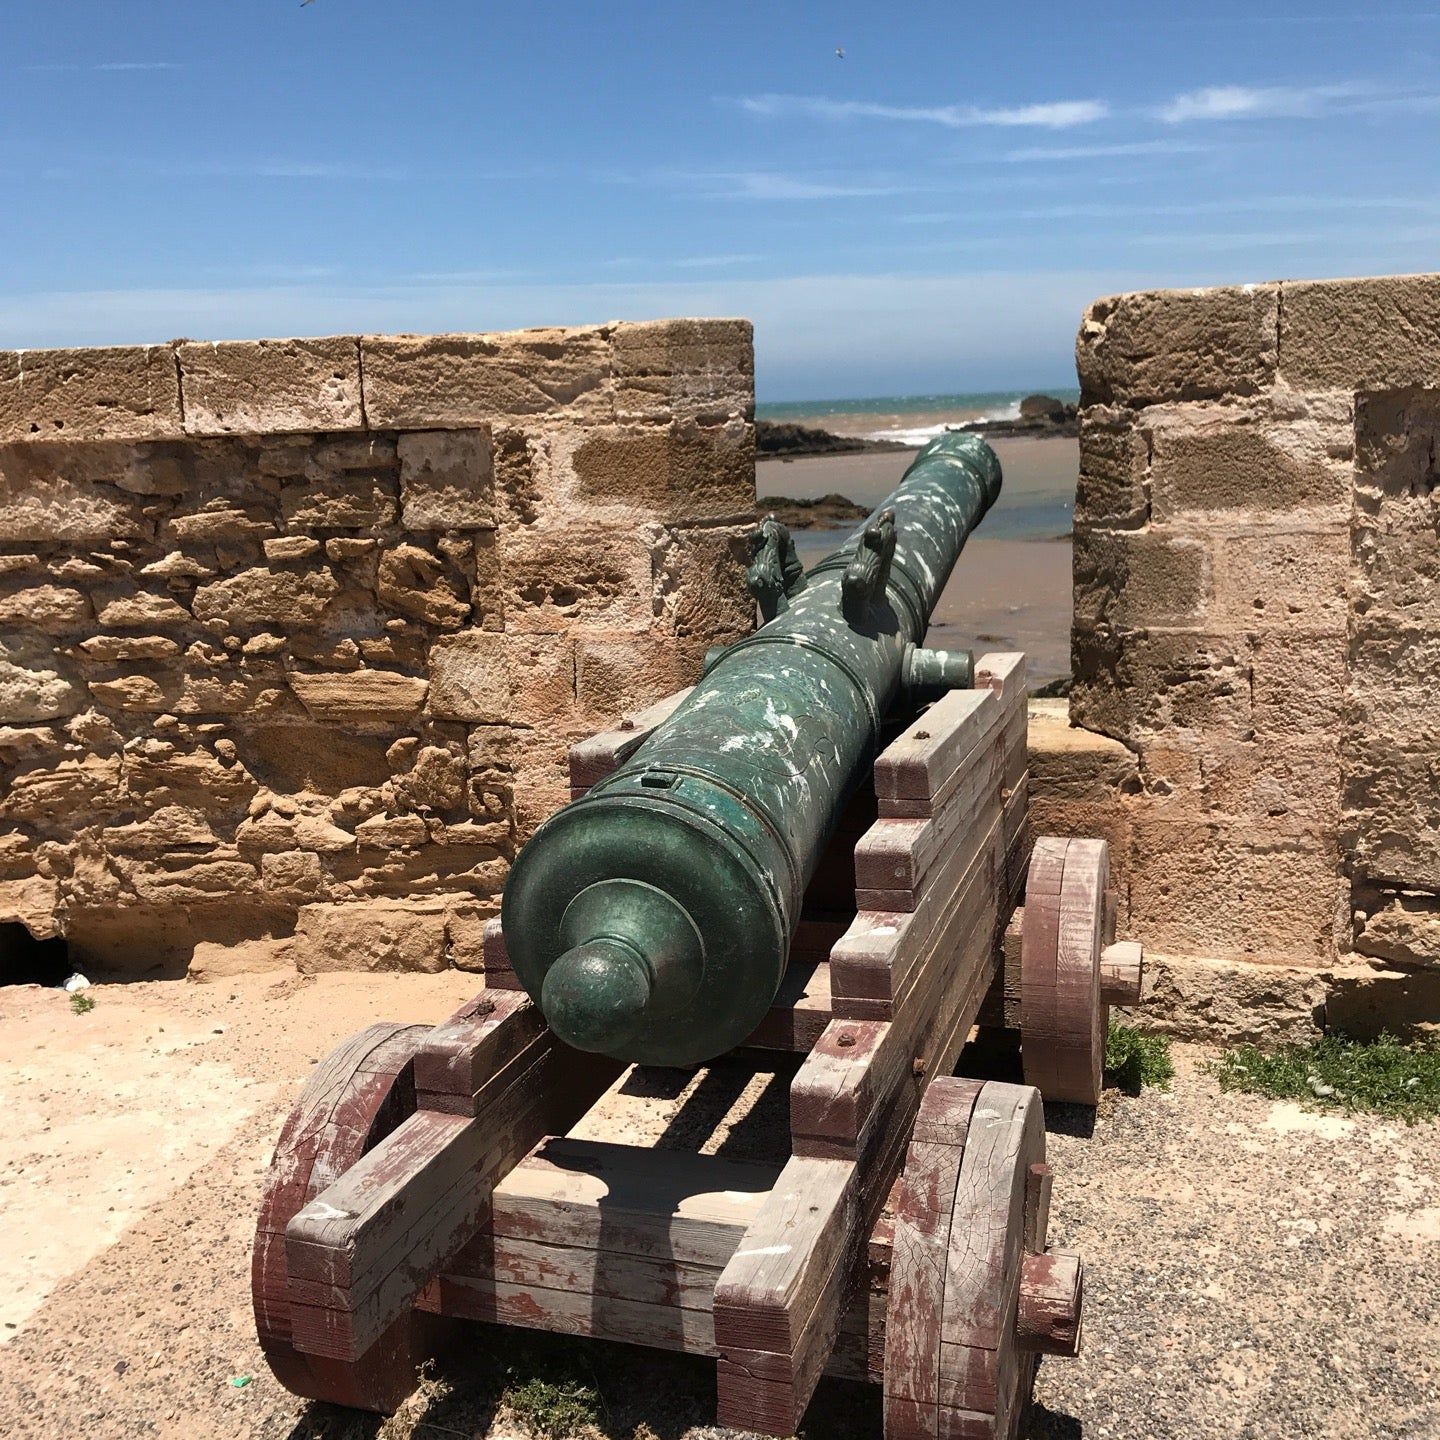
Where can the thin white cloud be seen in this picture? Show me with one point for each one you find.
(708, 262)
(278, 169)
(1264, 102)
(108, 66)
(770, 185)
(1126, 150)
(1050, 115)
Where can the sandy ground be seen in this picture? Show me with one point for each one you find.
(1012, 586)
(1253, 1270)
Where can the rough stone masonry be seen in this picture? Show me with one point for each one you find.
(294, 634)
(1257, 621)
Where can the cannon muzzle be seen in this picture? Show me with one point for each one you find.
(651, 919)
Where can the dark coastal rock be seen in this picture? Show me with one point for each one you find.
(819, 514)
(780, 438)
(1044, 407)
(1040, 415)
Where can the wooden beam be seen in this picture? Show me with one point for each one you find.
(592, 759)
(373, 1239)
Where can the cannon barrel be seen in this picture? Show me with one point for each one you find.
(651, 919)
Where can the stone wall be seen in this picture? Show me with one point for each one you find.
(1257, 618)
(294, 634)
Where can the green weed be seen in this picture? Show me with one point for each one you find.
(1134, 1059)
(1384, 1076)
(81, 1003)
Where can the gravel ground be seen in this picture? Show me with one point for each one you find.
(1253, 1270)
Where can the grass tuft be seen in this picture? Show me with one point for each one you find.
(81, 1003)
(1134, 1059)
(1384, 1076)
(552, 1399)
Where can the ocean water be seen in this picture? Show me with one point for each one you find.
(908, 419)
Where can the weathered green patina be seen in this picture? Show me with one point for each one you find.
(651, 918)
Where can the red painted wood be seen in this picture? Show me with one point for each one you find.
(354, 1098)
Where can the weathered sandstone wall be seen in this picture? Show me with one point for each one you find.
(1257, 619)
(294, 634)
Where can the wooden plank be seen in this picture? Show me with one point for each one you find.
(387, 1226)
(592, 759)
(922, 1238)
(469, 1049)
(768, 1293)
(779, 1302)
(573, 1312)
(662, 1204)
(614, 1274)
(915, 764)
(801, 1010)
(979, 1366)
(1005, 739)
(895, 859)
(879, 956)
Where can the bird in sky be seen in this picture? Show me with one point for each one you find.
(839, 49)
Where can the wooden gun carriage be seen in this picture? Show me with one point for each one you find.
(427, 1173)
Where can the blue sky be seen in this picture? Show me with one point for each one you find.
(930, 213)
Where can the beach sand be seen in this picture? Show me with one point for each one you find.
(1011, 589)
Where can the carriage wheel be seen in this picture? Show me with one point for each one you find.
(357, 1095)
(973, 1296)
(1062, 1009)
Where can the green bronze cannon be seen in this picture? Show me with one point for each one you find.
(651, 918)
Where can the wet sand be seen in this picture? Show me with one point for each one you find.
(1011, 589)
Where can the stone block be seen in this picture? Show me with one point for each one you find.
(146, 694)
(469, 677)
(420, 382)
(292, 548)
(1164, 345)
(1275, 578)
(420, 585)
(1194, 997)
(1227, 460)
(1298, 687)
(619, 674)
(541, 680)
(265, 387)
(360, 695)
(1151, 578)
(1364, 1001)
(1260, 890)
(371, 935)
(128, 392)
(289, 599)
(447, 480)
(682, 471)
(554, 580)
(698, 369)
(1361, 334)
(57, 493)
(465, 930)
(1402, 928)
(351, 499)
(30, 692)
(139, 610)
(52, 608)
(1129, 685)
(1390, 833)
(1113, 488)
(699, 584)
